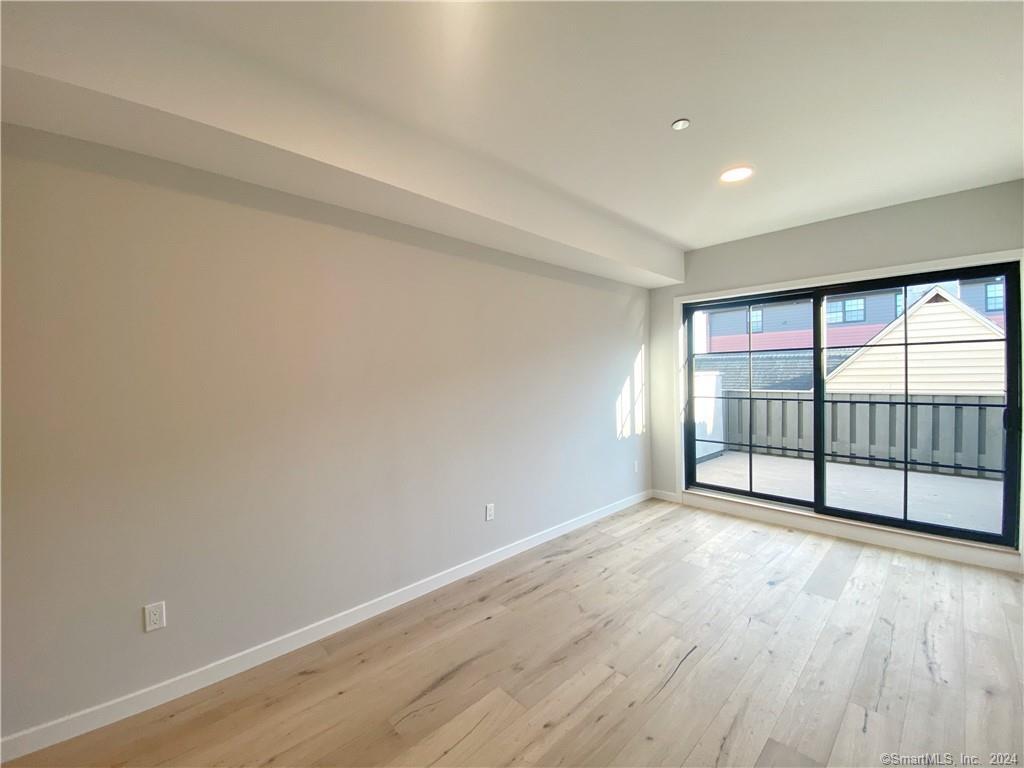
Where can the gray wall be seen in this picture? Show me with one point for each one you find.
(265, 411)
(966, 223)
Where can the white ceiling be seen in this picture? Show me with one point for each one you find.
(840, 107)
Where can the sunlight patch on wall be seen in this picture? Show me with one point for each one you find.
(623, 412)
(639, 393)
(630, 405)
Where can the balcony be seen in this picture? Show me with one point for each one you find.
(956, 453)
(941, 499)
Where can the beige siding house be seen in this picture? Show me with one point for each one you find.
(977, 367)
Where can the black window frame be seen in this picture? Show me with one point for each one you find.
(1010, 274)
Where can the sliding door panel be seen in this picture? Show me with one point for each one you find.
(782, 400)
(751, 398)
(957, 394)
(865, 427)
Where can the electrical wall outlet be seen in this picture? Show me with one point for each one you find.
(636, 466)
(154, 616)
(489, 512)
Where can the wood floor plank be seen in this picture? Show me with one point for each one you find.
(739, 731)
(532, 733)
(456, 741)
(830, 578)
(811, 716)
(375, 744)
(644, 633)
(662, 635)
(596, 739)
(864, 735)
(724, 644)
(935, 720)
(873, 721)
(1015, 628)
(159, 734)
(982, 603)
(992, 696)
(776, 755)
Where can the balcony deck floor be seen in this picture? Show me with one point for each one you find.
(963, 502)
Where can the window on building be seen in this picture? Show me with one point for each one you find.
(845, 311)
(756, 321)
(853, 310)
(994, 297)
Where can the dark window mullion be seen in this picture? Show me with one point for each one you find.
(689, 428)
(750, 406)
(906, 408)
(1011, 306)
(818, 393)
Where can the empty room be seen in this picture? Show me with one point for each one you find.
(512, 384)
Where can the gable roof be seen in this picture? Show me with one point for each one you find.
(893, 332)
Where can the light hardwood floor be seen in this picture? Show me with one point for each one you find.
(661, 635)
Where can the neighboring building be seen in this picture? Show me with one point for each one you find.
(857, 320)
(972, 366)
(954, 375)
(851, 320)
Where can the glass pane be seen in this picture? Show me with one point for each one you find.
(723, 373)
(856, 372)
(782, 325)
(972, 368)
(720, 330)
(699, 327)
(719, 419)
(783, 420)
(865, 431)
(956, 452)
(874, 490)
(963, 435)
(957, 310)
(789, 370)
(723, 465)
(941, 497)
(854, 319)
(784, 473)
(864, 445)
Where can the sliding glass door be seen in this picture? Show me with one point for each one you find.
(752, 405)
(893, 401)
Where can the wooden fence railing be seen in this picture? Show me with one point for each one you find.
(948, 434)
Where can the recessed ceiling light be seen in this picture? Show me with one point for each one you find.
(739, 173)
(680, 124)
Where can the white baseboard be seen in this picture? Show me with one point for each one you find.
(46, 734)
(969, 552)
